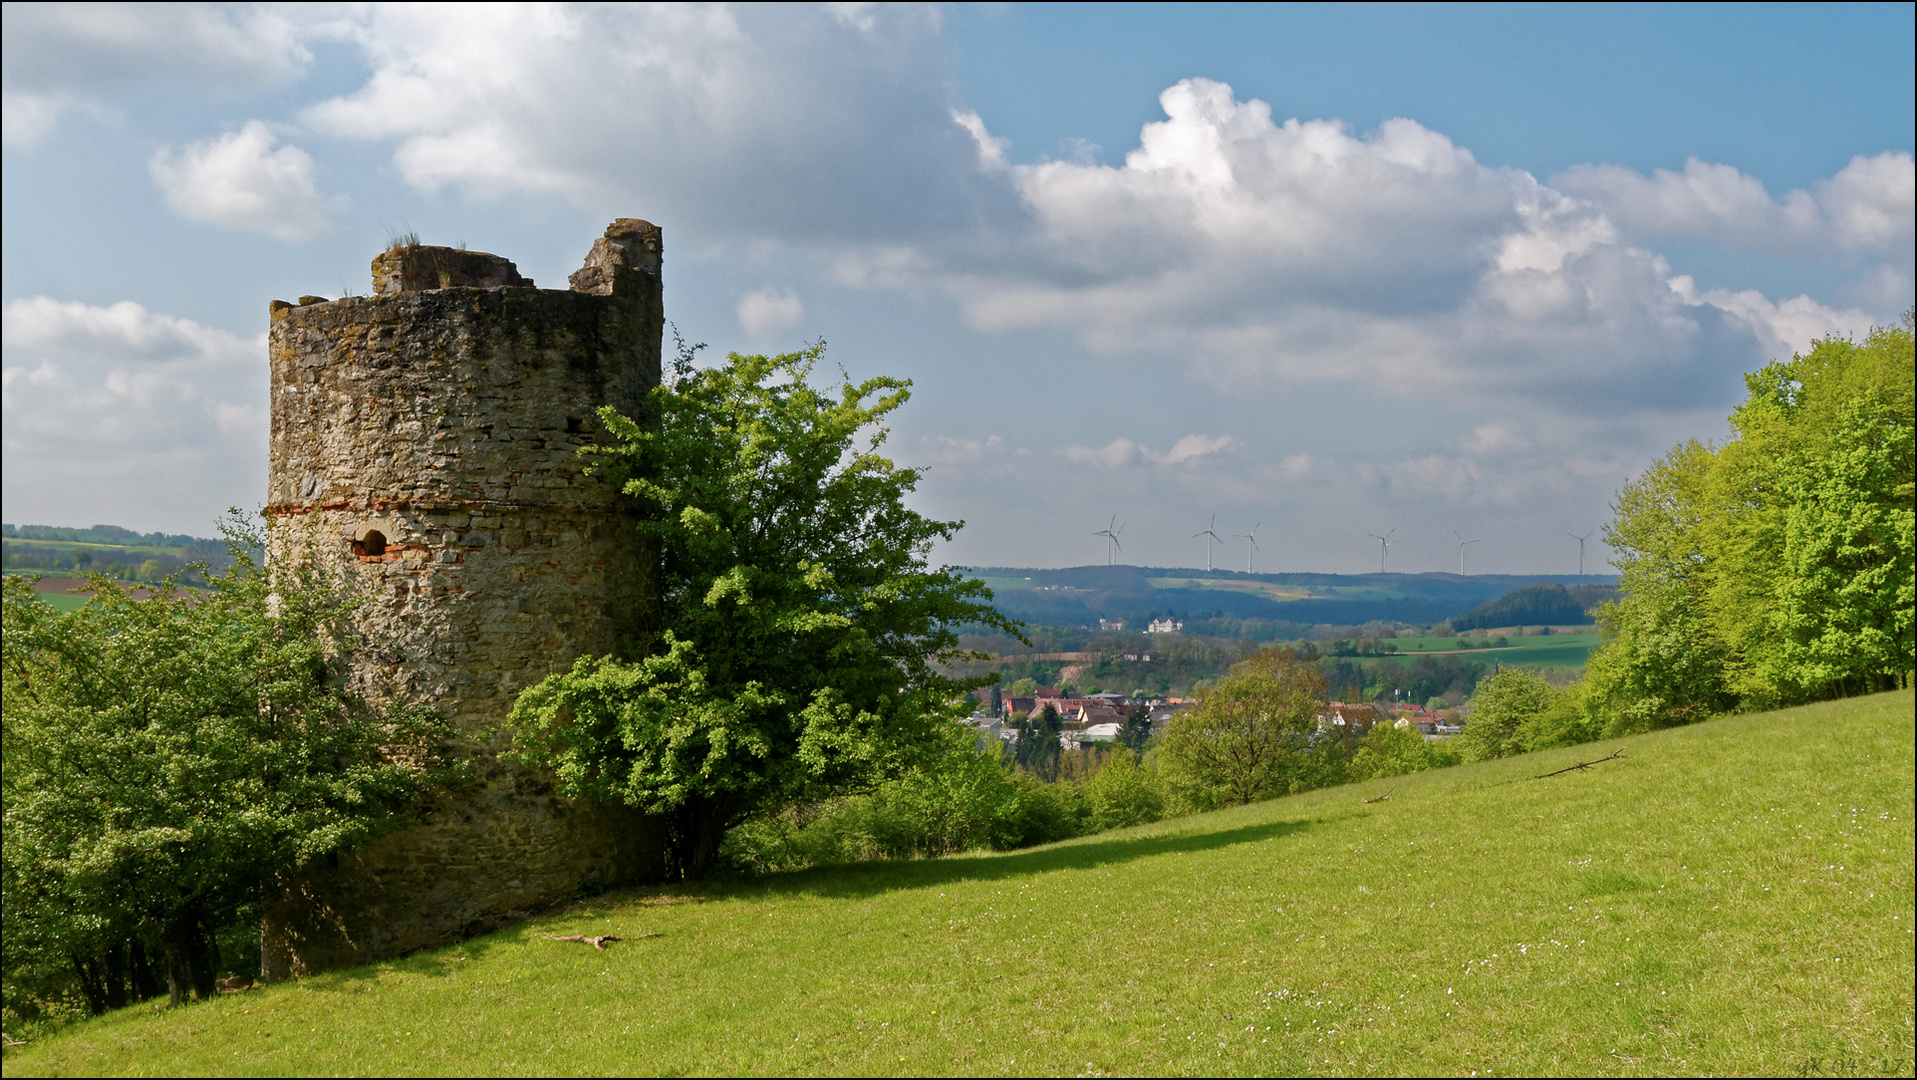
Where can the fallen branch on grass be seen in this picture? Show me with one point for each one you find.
(11, 1041)
(598, 941)
(1615, 754)
(1383, 797)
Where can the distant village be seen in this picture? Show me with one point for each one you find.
(1101, 718)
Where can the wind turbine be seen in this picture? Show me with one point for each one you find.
(1461, 542)
(1213, 537)
(1112, 546)
(1384, 547)
(1580, 540)
(1251, 543)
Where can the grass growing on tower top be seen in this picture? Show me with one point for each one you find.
(1733, 897)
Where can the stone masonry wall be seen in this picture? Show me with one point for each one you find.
(425, 443)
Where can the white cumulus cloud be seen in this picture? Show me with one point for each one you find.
(1122, 451)
(65, 57)
(768, 311)
(1266, 254)
(1256, 252)
(243, 180)
(795, 122)
(26, 118)
(1192, 447)
(1495, 435)
(1784, 327)
(1869, 206)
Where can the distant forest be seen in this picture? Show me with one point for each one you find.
(107, 534)
(1228, 603)
(1537, 605)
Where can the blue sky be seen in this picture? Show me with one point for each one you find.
(1335, 270)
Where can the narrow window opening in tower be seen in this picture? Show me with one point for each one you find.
(575, 426)
(370, 546)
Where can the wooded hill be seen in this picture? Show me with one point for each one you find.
(1537, 605)
(1083, 595)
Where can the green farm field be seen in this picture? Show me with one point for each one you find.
(1270, 590)
(1556, 650)
(63, 602)
(142, 551)
(52, 588)
(62, 589)
(1732, 897)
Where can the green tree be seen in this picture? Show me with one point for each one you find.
(1250, 737)
(1390, 750)
(1808, 535)
(1024, 687)
(164, 757)
(1776, 568)
(1504, 702)
(1568, 721)
(1138, 728)
(1663, 660)
(1845, 600)
(957, 801)
(1529, 606)
(1124, 792)
(801, 623)
(1037, 750)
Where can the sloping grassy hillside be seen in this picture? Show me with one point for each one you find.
(1734, 897)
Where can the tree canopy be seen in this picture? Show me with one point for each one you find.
(1251, 736)
(167, 753)
(801, 620)
(1776, 568)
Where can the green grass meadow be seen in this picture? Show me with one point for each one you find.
(1734, 897)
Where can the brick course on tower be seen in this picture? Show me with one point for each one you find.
(425, 445)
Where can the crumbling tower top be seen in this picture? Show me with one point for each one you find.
(629, 244)
(418, 267)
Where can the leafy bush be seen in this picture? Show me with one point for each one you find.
(1390, 750)
(1506, 700)
(1125, 792)
(164, 757)
(1567, 721)
(1252, 736)
(963, 800)
(960, 800)
(801, 622)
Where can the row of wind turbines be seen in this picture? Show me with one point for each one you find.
(1113, 547)
(1209, 532)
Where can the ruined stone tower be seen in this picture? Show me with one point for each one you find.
(424, 440)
